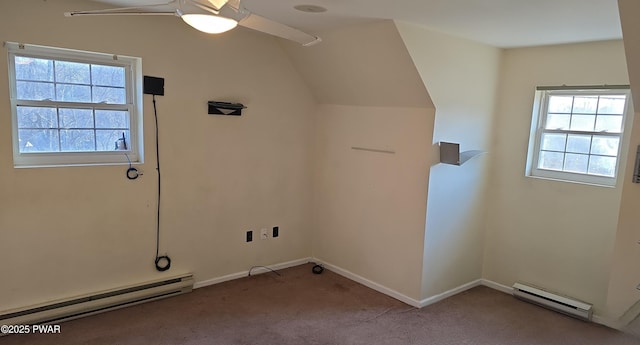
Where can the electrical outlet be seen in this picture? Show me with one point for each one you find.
(276, 232)
(249, 237)
(264, 234)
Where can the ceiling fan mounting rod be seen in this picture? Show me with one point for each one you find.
(205, 7)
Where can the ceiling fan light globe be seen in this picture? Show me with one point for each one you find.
(209, 23)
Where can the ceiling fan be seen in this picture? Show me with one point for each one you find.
(211, 16)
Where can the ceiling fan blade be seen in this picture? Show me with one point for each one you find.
(230, 9)
(123, 13)
(141, 10)
(258, 23)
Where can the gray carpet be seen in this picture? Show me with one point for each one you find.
(299, 307)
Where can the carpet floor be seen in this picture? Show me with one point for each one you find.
(298, 307)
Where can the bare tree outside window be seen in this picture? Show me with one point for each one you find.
(70, 129)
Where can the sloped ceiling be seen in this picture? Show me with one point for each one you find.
(377, 71)
(500, 23)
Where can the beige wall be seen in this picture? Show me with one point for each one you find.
(462, 79)
(66, 231)
(369, 207)
(625, 275)
(289, 162)
(552, 234)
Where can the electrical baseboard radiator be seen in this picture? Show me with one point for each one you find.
(552, 301)
(85, 305)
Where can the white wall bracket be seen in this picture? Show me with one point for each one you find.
(450, 153)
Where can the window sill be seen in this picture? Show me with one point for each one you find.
(71, 165)
(591, 184)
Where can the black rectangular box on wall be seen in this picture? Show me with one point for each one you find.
(153, 86)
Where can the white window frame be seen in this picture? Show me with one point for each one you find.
(538, 124)
(133, 75)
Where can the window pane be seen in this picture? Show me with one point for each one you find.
(609, 123)
(560, 104)
(612, 105)
(580, 134)
(583, 122)
(63, 97)
(76, 118)
(109, 119)
(74, 140)
(558, 121)
(34, 91)
(72, 73)
(108, 75)
(579, 143)
(37, 117)
(604, 166)
(106, 139)
(73, 93)
(553, 141)
(551, 160)
(585, 105)
(113, 95)
(38, 140)
(576, 163)
(605, 145)
(28, 68)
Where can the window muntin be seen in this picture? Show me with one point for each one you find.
(70, 107)
(578, 135)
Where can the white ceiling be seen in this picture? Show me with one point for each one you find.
(501, 23)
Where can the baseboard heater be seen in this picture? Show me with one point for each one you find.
(85, 305)
(552, 301)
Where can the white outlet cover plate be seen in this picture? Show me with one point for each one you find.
(264, 234)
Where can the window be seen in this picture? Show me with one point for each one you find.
(73, 107)
(576, 134)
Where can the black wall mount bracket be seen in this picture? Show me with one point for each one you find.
(225, 108)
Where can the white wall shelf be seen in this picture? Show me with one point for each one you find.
(450, 154)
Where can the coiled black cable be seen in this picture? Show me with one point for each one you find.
(132, 173)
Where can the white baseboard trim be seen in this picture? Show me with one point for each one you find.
(395, 294)
(496, 286)
(601, 320)
(617, 324)
(255, 271)
(630, 315)
(439, 297)
(368, 283)
(623, 322)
